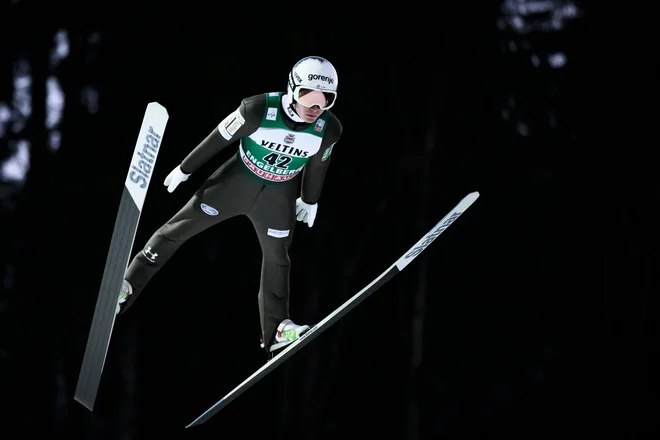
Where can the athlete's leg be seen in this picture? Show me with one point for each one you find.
(227, 193)
(273, 217)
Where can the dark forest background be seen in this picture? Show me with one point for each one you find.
(533, 316)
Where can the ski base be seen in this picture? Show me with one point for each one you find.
(128, 215)
(342, 310)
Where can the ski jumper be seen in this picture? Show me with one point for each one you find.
(278, 160)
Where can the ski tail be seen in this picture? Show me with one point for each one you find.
(121, 244)
(342, 310)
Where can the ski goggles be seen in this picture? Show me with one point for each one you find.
(312, 97)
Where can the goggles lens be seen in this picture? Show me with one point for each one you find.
(310, 97)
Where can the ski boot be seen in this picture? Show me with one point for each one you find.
(124, 293)
(286, 333)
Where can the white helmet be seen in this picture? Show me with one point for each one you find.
(315, 73)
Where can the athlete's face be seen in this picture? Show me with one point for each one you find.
(309, 104)
(308, 114)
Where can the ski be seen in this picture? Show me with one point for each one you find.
(128, 215)
(342, 310)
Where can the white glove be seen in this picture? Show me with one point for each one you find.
(175, 177)
(306, 212)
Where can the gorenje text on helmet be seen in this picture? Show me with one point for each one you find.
(327, 79)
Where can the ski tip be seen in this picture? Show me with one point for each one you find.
(156, 105)
(471, 197)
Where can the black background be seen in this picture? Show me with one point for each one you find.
(532, 316)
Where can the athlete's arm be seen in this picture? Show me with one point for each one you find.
(241, 122)
(317, 166)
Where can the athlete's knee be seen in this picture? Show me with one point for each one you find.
(169, 232)
(277, 253)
